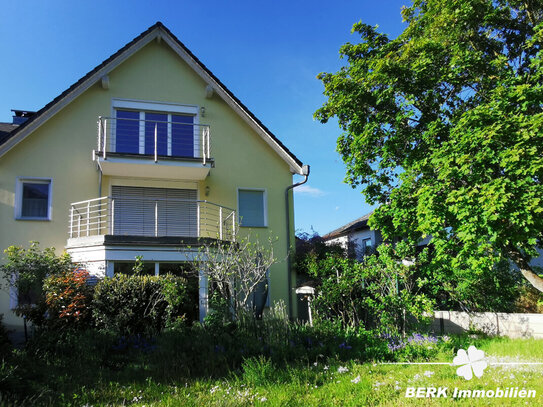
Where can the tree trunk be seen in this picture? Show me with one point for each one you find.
(526, 270)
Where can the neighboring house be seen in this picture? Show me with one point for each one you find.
(358, 239)
(355, 237)
(145, 155)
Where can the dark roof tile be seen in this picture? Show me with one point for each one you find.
(356, 224)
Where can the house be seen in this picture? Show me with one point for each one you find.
(147, 154)
(355, 237)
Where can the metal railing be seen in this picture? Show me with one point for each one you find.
(153, 138)
(151, 217)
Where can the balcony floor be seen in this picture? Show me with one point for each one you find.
(144, 166)
(131, 240)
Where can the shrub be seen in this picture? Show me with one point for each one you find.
(5, 343)
(68, 297)
(25, 271)
(379, 292)
(135, 304)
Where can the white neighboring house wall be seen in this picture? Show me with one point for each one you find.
(357, 240)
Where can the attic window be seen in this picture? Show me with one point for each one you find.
(138, 123)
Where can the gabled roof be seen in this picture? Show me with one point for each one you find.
(157, 30)
(356, 224)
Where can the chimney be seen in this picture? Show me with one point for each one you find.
(21, 116)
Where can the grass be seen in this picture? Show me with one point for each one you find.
(314, 383)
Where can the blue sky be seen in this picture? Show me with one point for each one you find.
(267, 52)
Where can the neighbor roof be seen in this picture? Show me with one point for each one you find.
(155, 31)
(356, 224)
(5, 131)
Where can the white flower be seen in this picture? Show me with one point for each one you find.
(342, 369)
(428, 373)
(356, 379)
(326, 367)
(263, 399)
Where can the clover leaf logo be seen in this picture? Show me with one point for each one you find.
(470, 362)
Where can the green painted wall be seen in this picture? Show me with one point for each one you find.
(61, 149)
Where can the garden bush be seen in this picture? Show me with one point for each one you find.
(381, 292)
(136, 304)
(68, 297)
(5, 344)
(25, 270)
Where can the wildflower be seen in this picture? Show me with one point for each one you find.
(263, 399)
(342, 369)
(428, 373)
(356, 379)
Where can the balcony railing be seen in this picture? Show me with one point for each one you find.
(155, 139)
(151, 217)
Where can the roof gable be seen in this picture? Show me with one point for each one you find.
(161, 33)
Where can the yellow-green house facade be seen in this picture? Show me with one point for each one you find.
(146, 154)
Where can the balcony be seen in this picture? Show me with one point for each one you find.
(167, 147)
(152, 220)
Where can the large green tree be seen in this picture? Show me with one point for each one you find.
(443, 130)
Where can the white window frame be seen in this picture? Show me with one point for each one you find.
(265, 206)
(143, 106)
(18, 207)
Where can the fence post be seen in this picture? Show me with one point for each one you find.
(112, 217)
(208, 143)
(156, 142)
(72, 221)
(204, 145)
(156, 218)
(220, 222)
(105, 139)
(198, 219)
(99, 133)
(233, 225)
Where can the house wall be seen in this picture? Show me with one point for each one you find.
(358, 236)
(61, 149)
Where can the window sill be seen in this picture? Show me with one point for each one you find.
(34, 219)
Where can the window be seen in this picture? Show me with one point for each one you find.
(252, 208)
(33, 199)
(138, 123)
(146, 211)
(367, 247)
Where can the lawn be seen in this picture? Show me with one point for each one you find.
(139, 382)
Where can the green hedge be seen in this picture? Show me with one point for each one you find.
(136, 304)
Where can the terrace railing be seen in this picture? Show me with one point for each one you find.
(151, 217)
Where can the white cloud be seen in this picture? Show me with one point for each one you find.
(307, 190)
